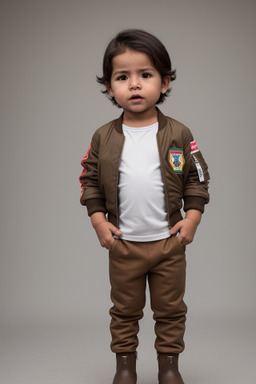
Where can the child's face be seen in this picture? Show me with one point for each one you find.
(135, 83)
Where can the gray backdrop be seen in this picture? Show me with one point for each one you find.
(53, 271)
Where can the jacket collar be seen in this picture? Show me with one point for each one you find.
(160, 116)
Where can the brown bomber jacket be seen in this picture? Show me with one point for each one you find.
(99, 179)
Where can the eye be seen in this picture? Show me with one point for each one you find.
(122, 77)
(146, 75)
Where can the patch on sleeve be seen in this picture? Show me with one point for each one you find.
(199, 169)
(193, 147)
(176, 159)
(194, 150)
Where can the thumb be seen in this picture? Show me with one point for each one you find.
(115, 231)
(175, 228)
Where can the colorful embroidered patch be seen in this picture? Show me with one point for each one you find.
(176, 159)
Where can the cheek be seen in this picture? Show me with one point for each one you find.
(118, 92)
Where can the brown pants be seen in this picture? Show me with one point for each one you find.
(163, 264)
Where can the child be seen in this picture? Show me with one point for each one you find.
(138, 170)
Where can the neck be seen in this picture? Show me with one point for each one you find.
(140, 119)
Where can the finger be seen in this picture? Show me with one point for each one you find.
(106, 245)
(175, 228)
(115, 231)
(180, 239)
(110, 245)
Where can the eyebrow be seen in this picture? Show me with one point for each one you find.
(126, 72)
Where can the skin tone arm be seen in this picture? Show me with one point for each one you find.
(187, 227)
(104, 230)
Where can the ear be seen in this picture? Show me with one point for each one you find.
(108, 88)
(165, 84)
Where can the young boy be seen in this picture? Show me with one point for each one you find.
(139, 170)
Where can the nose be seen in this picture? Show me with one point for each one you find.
(134, 83)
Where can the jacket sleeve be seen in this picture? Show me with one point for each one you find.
(197, 177)
(91, 195)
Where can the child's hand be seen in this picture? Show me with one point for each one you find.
(187, 227)
(105, 230)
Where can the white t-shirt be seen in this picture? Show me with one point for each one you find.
(142, 205)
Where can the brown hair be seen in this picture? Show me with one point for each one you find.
(141, 41)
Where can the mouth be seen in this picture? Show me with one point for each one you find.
(136, 98)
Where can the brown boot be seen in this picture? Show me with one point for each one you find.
(168, 369)
(125, 368)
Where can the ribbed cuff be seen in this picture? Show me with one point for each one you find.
(95, 205)
(194, 202)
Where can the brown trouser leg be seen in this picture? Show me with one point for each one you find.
(163, 263)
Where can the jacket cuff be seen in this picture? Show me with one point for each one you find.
(95, 205)
(194, 202)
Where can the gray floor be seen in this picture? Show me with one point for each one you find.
(217, 352)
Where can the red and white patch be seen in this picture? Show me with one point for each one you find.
(193, 146)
